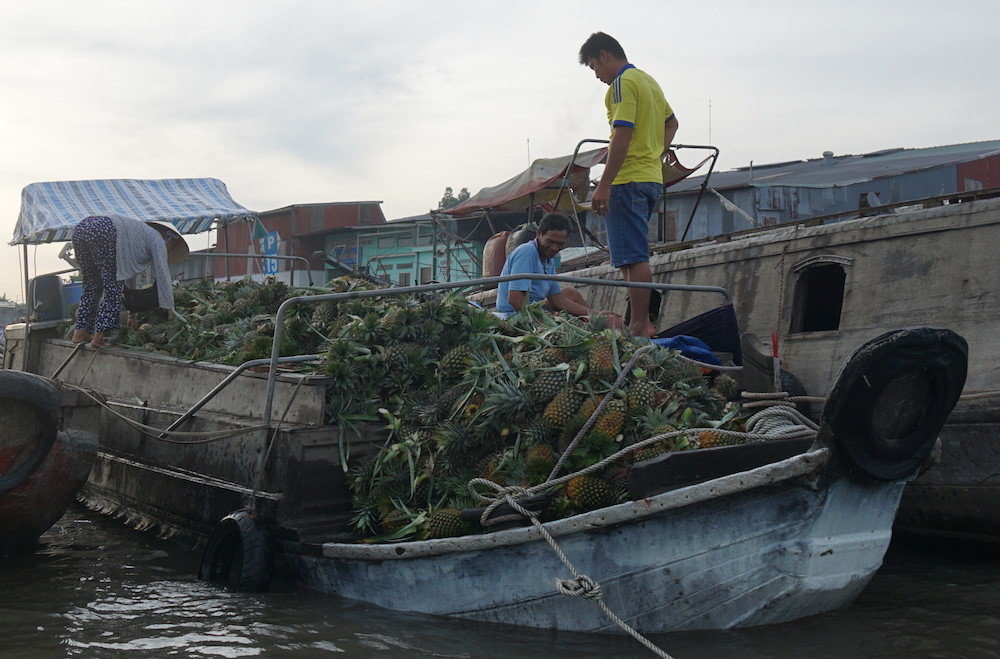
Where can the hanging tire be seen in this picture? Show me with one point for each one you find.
(238, 554)
(42, 397)
(892, 397)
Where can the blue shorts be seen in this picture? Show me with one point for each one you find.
(627, 221)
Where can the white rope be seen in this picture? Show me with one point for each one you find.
(202, 437)
(710, 367)
(580, 585)
(776, 422)
(979, 394)
(600, 410)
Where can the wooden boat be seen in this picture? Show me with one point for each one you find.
(713, 538)
(825, 285)
(42, 465)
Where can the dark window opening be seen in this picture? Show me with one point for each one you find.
(819, 297)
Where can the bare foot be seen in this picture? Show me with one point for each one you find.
(79, 336)
(98, 340)
(643, 330)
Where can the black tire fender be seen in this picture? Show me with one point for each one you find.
(892, 397)
(238, 554)
(41, 395)
(791, 385)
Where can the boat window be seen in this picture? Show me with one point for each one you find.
(819, 296)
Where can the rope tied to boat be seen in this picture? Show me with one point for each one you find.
(773, 422)
(580, 585)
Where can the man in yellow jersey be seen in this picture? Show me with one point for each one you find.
(642, 126)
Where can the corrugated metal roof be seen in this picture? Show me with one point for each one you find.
(836, 171)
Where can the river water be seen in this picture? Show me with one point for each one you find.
(94, 588)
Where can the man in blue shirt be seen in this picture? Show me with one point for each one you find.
(538, 256)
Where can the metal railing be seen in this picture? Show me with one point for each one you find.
(280, 257)
(279, 319)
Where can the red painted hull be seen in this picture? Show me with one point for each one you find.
(29, 509)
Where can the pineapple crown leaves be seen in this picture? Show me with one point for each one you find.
(531, 317)
(732, 411)
(597, 322)
(505, 400)
(565, 333)
(403, 533)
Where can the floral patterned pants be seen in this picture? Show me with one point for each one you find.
(94, 245)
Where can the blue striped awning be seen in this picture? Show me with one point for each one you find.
(49, 211)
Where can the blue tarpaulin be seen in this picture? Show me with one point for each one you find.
(690, 347)
(49, 211)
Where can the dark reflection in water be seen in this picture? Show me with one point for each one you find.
(96, 589)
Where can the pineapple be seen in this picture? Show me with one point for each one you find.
(714, 438)
(505, 402)
(610, 421)
(658, 422)
(601, 358)
(587, 408)
(539, 463)
(455, 362)
(394, 520)
(444, 523)
(589, 493)
(545, 386)
(553, 355)
(562, 408)
(399, 355)
(640, 395)
(727, 387)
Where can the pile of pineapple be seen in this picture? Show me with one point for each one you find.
(463, 394)
(224, 322)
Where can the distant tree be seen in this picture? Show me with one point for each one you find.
(449, 200)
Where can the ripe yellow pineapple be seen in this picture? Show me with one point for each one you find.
(714, 438)
(600, 358)
(611, 419)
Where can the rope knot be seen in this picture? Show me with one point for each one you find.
(580, 586)
(499, 496)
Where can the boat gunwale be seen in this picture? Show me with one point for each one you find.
(629, 511)
(796, 230)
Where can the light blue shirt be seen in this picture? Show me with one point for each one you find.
(525, 259)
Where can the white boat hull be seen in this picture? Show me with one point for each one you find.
(687, 559)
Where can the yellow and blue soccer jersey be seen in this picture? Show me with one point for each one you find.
(635, 100)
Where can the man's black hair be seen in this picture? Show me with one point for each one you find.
(555, 222)
(598, 41)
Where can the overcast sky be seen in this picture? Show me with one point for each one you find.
(313, 101)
